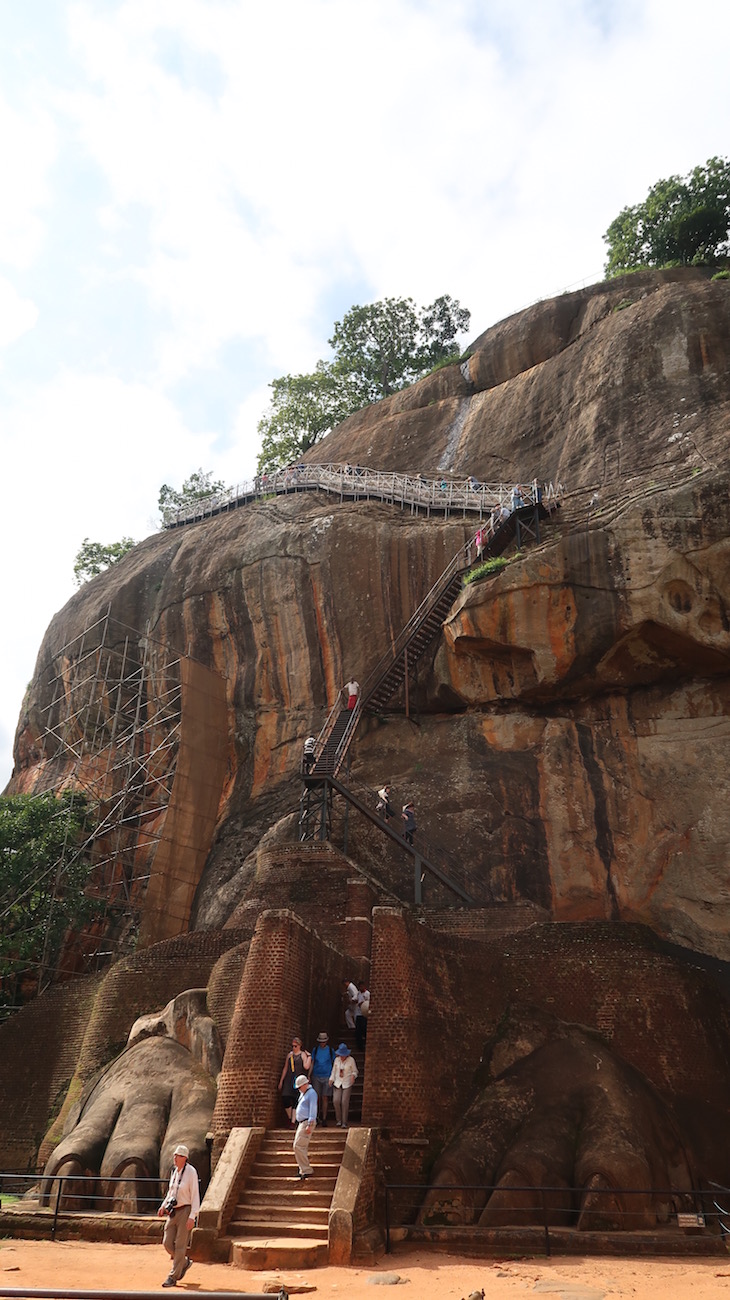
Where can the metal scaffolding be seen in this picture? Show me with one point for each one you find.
(109, 722)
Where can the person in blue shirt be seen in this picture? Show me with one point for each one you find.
(323, 1058)
(306, 1115)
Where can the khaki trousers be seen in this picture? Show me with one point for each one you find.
(175, 1238)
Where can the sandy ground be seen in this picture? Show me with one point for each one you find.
(88, 1265)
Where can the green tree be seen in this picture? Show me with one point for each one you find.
(94, 557)
(303, 409)
(199, 485)
(378, 349)
(42, 876)
(683, 221)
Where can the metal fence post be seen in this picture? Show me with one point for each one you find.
(545, 1220)
(57, 1208)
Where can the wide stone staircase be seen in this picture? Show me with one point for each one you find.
(277, 1216)
(280, 1220)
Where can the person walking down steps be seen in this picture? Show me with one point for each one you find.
(344, 1074)
(352, 690)
(306, 1124)
(409, 822)
(323, 1058)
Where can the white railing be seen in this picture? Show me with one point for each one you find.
(353, 482)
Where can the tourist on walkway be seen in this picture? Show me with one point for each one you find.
(298, 1060)
(181, 1205)
(310, 745)
(344, 1074)
(353, 690)
(323, 1059)
(306, 1124)
(383, 807)
(409, 821)
(361, 1015)
(349, 1000)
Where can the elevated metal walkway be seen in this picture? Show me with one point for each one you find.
(393, 671)
(443, 496)
(315, 820)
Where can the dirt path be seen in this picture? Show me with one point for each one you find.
(88, 1265)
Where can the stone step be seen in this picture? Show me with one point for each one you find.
(265, 1197)
(279, 1186)
(323, 1135)
(282, 1213)
(279, 1164)
(268, 1251)
(261, 1227)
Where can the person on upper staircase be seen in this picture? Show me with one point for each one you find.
(298, 1060)
(409, 821)
(384, 807)
(344, 1074)
(353, 690)
(361, 1015)
(323, 1059)
(308, 756)
(349, 1002)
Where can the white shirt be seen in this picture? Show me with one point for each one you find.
(352, 688)
(185, 1186)
(344, 1072)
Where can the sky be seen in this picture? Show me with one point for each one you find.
(194, 191)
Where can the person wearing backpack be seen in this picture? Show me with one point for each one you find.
(323, 1059)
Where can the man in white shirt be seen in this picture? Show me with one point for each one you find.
(181, 1205)
(353, 690)
(349, 998)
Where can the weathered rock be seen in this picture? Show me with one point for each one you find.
(573, 740)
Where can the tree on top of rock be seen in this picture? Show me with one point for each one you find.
(683, 221)
(378, 349)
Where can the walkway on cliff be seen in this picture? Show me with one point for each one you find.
(443, 496)
(394, 670)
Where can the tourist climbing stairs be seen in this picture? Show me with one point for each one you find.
(395, 668)
(275, 1206)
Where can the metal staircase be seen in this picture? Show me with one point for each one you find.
(393, 671)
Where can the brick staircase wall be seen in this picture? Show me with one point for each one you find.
(39, 1047)
(439, 997)
(132, 987)
(291, 984)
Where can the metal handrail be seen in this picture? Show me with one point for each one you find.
(687, 1196)
(433, 853)
(469, 496)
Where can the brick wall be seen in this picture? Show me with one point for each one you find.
(291, 985)
(146, 982)
(315, 881)
(438, 998)
(423, 1005)
(223, 986)
(39, 1047)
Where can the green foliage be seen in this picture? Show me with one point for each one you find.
(303, 409)
(378, 349)
(722, 275)
(683, 221)
(94, 557)
(486, 569)
(42, 875)
(200, 484)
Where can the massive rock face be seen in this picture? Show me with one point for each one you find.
(573, 738)
(568, 739)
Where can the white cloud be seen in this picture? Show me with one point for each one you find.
(194, 190)
(27, 149)
(17, 315)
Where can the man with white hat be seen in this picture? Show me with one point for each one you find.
(306, 1115)
(181, 1205)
